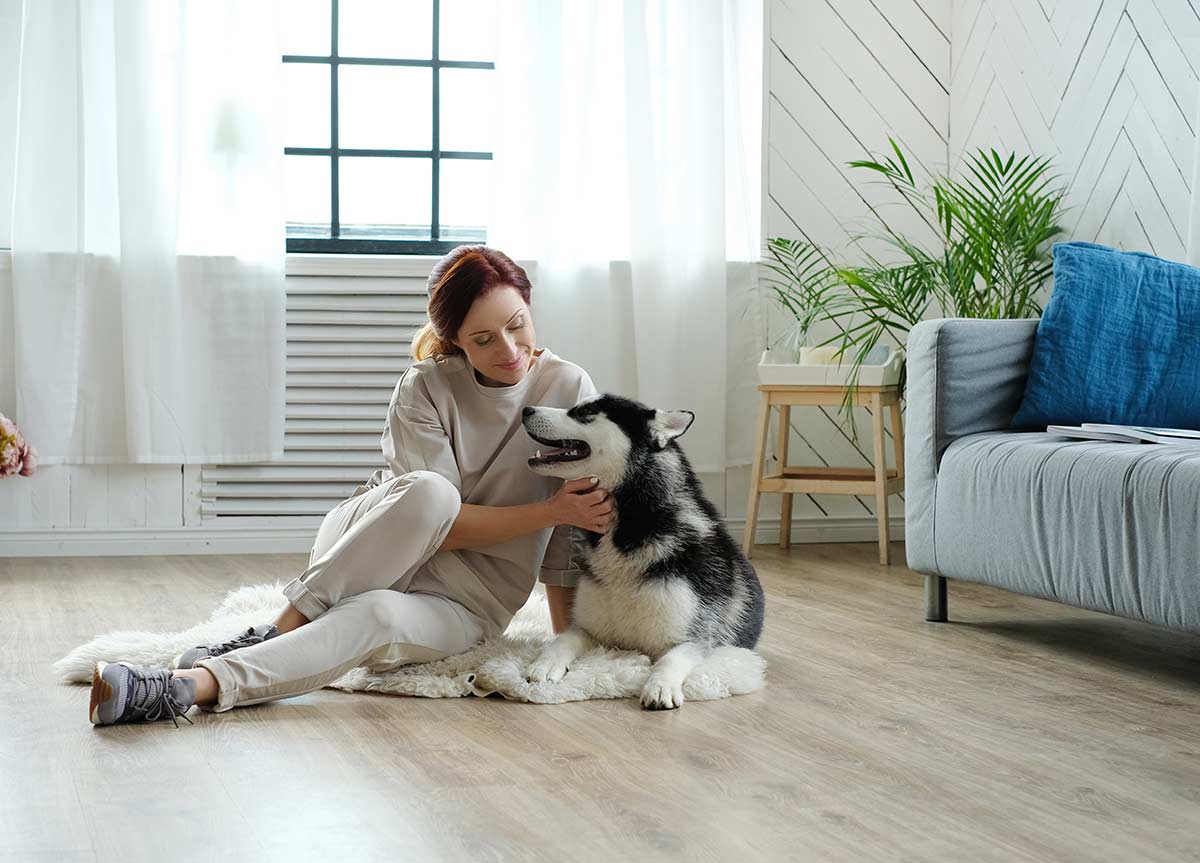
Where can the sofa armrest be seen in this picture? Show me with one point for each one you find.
(964, 376)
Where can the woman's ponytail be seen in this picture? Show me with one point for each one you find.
(426, 343)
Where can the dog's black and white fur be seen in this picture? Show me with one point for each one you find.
(667, 579)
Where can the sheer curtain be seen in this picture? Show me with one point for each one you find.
(148, 234)
(627, 166)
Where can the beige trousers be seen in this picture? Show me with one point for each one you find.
(353, 592)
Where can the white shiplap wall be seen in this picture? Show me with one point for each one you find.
(1107, 88)
(842, 77)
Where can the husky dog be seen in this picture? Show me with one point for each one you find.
(667, 579)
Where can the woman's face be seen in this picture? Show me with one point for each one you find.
(498, 338)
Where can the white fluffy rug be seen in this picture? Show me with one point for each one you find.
(495, 665)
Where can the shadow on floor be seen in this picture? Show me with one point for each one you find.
(1131, 645)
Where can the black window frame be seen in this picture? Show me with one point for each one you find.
(336, 244)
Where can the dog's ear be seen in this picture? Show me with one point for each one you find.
(665, 426)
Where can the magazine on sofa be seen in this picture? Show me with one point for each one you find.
(1128, 433)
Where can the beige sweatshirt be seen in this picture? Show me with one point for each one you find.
(441, 418)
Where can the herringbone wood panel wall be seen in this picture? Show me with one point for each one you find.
(1107, 88)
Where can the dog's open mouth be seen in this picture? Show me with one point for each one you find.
(559, 450)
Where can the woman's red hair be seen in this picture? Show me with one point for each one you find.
(463, 275)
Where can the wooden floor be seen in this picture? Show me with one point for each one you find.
(1021, 731)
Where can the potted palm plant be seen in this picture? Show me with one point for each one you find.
(995, 227)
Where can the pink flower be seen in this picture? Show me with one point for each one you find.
(10, 459)
(29, 460)
(16, 455)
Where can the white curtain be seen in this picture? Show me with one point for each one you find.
(148, 234)
(628, 167)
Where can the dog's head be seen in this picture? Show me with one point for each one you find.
(600, 436)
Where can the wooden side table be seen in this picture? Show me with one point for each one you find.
(878, 480)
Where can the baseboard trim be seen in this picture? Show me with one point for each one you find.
(136, 542)
(814, 530)
(283, 539)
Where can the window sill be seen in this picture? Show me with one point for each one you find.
(305, 264)
(402, 266)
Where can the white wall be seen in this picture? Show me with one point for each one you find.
(841, 78)
(1108, 88)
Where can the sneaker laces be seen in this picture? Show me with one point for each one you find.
(152, 697)
(244, 640)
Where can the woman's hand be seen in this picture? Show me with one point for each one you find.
(581, 503)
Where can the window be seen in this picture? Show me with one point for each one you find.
(387, 129)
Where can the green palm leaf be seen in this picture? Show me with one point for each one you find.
(996, 222)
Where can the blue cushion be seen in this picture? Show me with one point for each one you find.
(1118, 342)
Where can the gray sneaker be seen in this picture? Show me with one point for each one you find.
(252, 635)
(124, 692)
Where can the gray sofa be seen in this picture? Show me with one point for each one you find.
(1107, 526)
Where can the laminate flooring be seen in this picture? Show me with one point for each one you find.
(1023, 730)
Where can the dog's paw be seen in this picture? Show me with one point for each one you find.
(545, 671)
(660, 693)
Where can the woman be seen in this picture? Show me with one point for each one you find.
(434, 552)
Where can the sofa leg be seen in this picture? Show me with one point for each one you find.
(935, 598)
